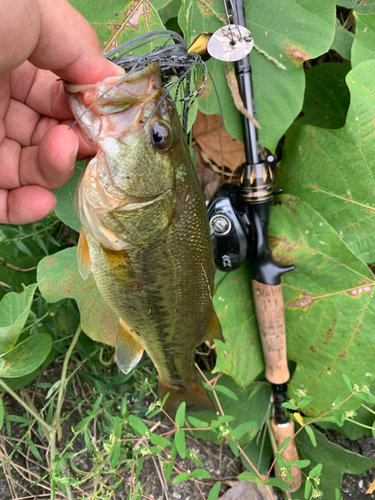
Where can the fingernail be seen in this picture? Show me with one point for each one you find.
(73, 158)
(119, 70)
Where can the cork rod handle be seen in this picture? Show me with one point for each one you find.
(281, 432)
(269, 305)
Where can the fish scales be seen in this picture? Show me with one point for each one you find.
(146, 238)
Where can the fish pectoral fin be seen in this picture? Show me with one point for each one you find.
(83, 255)
(128, 349)
(214, 328)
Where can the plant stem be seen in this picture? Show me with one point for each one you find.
(369, 409)
(56, 417)
(27, 407)
(359, 423)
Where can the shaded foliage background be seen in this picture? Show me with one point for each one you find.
(314, 65)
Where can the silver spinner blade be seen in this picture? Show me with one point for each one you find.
(230, 43)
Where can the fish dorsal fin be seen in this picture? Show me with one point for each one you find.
(83, 255)
(214, 327)
(128, 349)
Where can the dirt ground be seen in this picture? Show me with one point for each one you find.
(18, 475)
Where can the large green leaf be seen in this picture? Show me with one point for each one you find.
(64, 208)
(361, 6)
(334, 170)
(251, 406)
(26, 356)
(286, 34)
(14, 311)
(364, 42)
(330, 309)
(58, 278)
(326, 96)
(335, 459)
(118, 21)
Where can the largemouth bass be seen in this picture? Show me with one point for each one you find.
(145, 233)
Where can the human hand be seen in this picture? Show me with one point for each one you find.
(40, 39)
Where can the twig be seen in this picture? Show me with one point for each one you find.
(62, 382)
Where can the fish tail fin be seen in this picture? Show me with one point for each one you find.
(195, 396)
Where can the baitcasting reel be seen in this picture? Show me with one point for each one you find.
(229, 227)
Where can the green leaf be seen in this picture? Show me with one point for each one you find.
(196, 422)
(250, 476)
(336, 460)
(305, 401)
(326, 99)
(311, 435)
(34, 450)
(334, 170)
(301, 464)
(339, 417)
(369, 398)
(26, 356)
(214, 491)
(64, 208)
(289, 405)
(284, 444)
(184, 476)
(363, 46)
(168, 470)
(308, 489)
(58, 278)
(180, 415)
(139, 467)
(115, 455)
(244, 428)
(23, 248)
(120, 20)
(343, 41)
(159, 440)
(179, 439)
(315, 472)
(200, 474)
(365, 7)
(139, 426)
(234, 447)
(88, 441)
(160, 4)
(279, 483)
(14, 311)
(281, 49)
(224, 390)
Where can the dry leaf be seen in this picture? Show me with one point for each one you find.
(244, 490)
(233, 85)
(216, 144)
(371, 489)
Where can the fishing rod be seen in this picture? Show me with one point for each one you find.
(239, 218)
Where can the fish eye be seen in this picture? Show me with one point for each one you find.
(161, 135)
